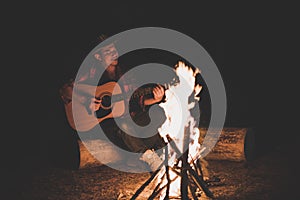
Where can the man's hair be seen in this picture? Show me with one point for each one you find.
(99, 39)
(102, 37)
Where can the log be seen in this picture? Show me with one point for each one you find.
(234, 144)
(98, 153)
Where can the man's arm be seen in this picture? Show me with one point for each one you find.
(66, 91)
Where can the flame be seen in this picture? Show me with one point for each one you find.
(197, 90)
(177, 110)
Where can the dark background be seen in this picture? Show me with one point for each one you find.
(251, 45)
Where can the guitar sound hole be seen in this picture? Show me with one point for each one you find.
(106, 101)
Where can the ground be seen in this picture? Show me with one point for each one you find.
(266, 177)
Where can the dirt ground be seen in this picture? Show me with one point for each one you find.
(266, 177)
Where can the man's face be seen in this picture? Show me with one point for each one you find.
(109, 55)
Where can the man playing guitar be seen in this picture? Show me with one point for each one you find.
(107, 58)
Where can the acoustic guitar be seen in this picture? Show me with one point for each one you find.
(113, 103)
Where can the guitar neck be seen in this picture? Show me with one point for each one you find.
(109, 88)
(141, 92)
(146, 91)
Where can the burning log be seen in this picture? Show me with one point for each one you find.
(234, 144)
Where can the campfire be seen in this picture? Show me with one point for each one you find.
(182, 172)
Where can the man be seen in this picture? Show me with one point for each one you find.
(105, 63)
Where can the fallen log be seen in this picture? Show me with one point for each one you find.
(234, 144)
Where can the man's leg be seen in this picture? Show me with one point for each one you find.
(138, 145)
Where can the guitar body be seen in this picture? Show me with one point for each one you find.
(77, 111)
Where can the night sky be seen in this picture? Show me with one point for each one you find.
(247, 43)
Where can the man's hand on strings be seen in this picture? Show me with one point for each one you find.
(95, 104)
